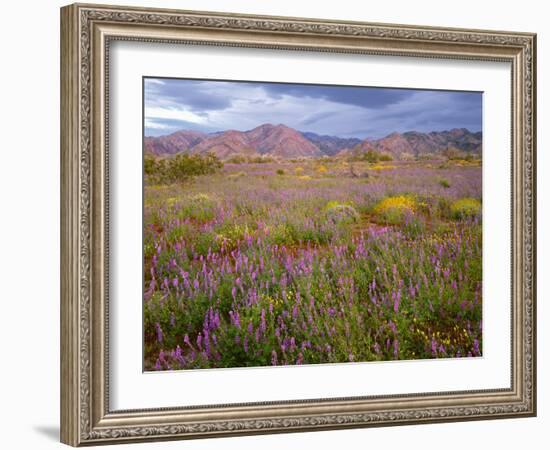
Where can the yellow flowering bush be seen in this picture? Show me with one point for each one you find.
(394, 209)
(382, 167)
(322, 170)
(465, 208)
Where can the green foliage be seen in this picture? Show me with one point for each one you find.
(179, 168)
(465, 208)
(453, 153)
(199, 207)
(444, 183)
(245, 159)
(280, 172)
(339, 213)
(395, 210)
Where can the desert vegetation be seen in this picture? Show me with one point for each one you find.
(274, 261)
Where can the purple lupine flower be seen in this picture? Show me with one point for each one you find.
(273, 358)
(396, 300)
(250, 327)
(292, 343)
(476, 347)
(235, 319)
(186, 340)
(434, 347)
(263, 325)
(199, 341)
(300, 358)
(206, 343)
(395, 348)
(245, 344)
(159, 333)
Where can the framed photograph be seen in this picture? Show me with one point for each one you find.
(278, 224)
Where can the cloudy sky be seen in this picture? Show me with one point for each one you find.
(178, 104)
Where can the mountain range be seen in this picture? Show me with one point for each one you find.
(285, 142)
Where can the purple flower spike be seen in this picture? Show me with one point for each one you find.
(159, 333)
(476, 347)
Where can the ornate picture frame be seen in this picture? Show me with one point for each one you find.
(87, 31)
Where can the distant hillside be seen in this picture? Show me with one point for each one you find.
(179, 141)
(331, 145)
(416, 143)
(285, 142)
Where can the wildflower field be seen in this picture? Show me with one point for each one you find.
(310, 262)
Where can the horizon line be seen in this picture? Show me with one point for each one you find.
(311, 132)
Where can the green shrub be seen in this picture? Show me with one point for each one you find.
(465, 208)
(339, 213)
(280, 172)
(199, 207)
(444, 183)
(179, 168)
(394, 210)
(236, 176)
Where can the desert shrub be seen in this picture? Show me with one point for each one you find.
(465, 208)
(299, 171)
(280, 172)
(453, 153)
(282, 234)
(339, 213)
(414, 227)
(394, 210)
(179, 233)
(405, 156)
(200, 207)
(236, 176)
(180, 168)
(237, 159)
(444, 183)
(205, 242)
(381, 167)
(304, 178)
(231, 233)
(321, 169)
(444, 207)
(385, 156)
(261, 159)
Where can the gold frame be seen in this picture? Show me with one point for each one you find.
(86, 31)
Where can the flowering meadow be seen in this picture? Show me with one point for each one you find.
(307, 262)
